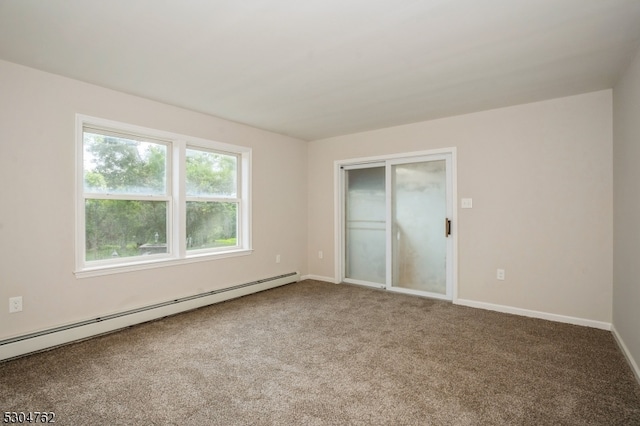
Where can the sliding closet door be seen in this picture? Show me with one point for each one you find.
(419, 232)
(365, 225)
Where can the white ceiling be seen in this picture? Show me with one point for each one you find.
(319, 68)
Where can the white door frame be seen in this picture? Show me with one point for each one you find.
(341, 165)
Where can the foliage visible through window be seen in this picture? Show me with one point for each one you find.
(212, 203)
(134, 205)
(122, 177)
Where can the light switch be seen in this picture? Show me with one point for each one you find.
(466, 203)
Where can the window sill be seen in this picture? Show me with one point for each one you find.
(156, 263)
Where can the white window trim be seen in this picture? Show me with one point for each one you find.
(178, 253)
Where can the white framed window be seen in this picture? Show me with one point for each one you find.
(213, 200)
(149, 198)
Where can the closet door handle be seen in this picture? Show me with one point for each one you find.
(447, 227)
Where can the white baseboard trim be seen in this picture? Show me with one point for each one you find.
(320, 278)
(627, 354)
(534, 314)
(47, 339)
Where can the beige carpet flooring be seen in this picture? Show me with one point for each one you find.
(314, 353)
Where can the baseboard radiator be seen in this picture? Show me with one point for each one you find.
(50, 338)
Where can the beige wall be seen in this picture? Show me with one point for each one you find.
(540, 176)
(626, 180)
(37, 118)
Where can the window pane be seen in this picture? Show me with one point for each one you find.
(117, 165)
(211, 174)
(123, 228)
(211, 224)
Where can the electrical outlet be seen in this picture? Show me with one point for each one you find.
(15, 304)
(277, 258)
(500, 274)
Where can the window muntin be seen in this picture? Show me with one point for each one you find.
(148, 198)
